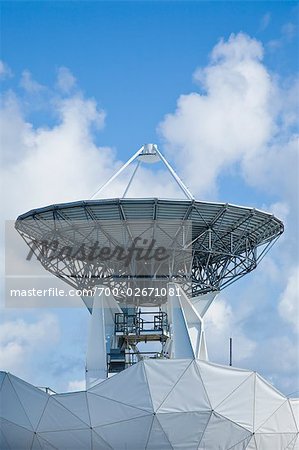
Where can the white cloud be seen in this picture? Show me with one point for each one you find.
(20, 341)
(266, 19)
(289, 301)
(65, 80)
(76, 385)
(288, 33)
(230, 121)
(5, 71)
(62, 163)
(29, 84)
(221, 323)
(288, 30)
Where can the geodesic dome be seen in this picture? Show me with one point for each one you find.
(155, 404)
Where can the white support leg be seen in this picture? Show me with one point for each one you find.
(187, 333)
(96, 357)
(101, 332)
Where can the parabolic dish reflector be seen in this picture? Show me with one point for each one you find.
(212, 244)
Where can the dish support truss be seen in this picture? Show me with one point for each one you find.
(182, 337)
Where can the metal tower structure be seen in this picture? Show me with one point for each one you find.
(148, 268)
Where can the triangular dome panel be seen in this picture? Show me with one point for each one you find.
(230, 378)
(11, 408)
(157, 438)
(223, 434)
(18, 437)
(98, 442)
(67, 440)
(252, 444)
(184, 430)
(56, 417)
(118, 434)
(281, 421)
(267, 401)
(274, 441)
(2, 376)
(76, 402)
(44, 445)
(296, 443)
(33, 399)
(162, 376)
(294, 403)
(239, 405)
(104, 411)
(188, 394)
(121, 388)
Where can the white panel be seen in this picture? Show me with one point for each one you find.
(188, 394)
(18, 437)
(98, 442)
(44, 444)
(56, 417)
(292, 445)
(274, 441)
(3, 441)
(222, 434)
(294, 402)
(203, 352)
(239, 405)
(243, 445)
(104, 411)
(69, 440)
(193, 321)
(220, 381)
(10, 406)
(127, 435)
(252, 444)
(36, 445)
(157, 438)
(282, 421)
(296, 444)
(2, 376)
(181, 342)
(267, 400)
(96, 358)
(32, 399)
(162, 375)
(129, 387)
(184, 430)
(76, 402)
(202, 302)
(111, 307)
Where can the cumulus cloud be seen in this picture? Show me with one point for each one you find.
(229, 121)
(29, 84)
(76, 385)
(221, 323)
(5, 71)
(21, 340)
(65, 79)
(289, 300)
(265, 21)
(287, 35)
(42, 165)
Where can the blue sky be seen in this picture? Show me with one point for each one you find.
(72, 63)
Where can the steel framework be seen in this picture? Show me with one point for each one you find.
(212, 244)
